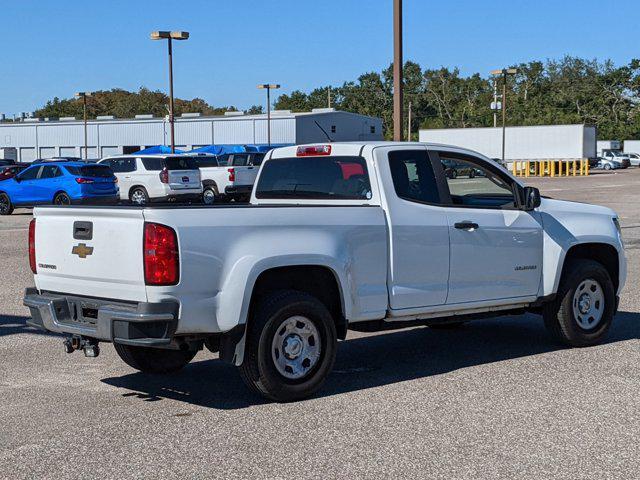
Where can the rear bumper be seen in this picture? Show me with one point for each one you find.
(176, 196)
(238, 190)
(111, 199)
(141, 324)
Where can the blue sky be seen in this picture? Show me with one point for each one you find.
(55, 48)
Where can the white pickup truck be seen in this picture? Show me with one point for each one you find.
(362, 236)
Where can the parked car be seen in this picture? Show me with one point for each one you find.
(9, 171)
(156, 178)
(62, 159)
(454, 169)
(362, 236)
(634, 159)
(7, 162)
(616, 156)
(228, 176)
(63, 183)
(609, 164)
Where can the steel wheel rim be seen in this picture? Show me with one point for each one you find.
(209, 197)
(588, 304)
(296, 347)
(138, 197)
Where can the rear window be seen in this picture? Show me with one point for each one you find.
(204, 162)
(91, 171)
(344, 178)
(172, 163)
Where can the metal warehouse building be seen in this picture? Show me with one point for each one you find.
(40, 138)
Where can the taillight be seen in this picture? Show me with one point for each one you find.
(32, 245)
(164, 175)
(83, 180)
(161, 262)
(313, 150)
(232, 174)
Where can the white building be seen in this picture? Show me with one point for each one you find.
(544, 142)
(38, 138)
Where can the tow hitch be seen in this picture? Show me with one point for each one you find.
(77, 342)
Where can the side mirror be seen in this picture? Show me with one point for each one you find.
(531, 198)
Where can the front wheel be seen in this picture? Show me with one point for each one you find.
(607, 166)
(6, 207)
(290, 347)
(583, 310)
(154, 360)
(62, 199)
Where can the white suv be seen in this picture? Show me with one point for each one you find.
(151, 178)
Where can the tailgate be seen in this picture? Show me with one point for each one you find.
(183, 179)
(103, 260)
(245, 175)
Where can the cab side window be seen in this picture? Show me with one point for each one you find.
(413, 176)
(473, 183)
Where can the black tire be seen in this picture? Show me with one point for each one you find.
(154, 360)
(559, 317)
(472, 173)
(210, 195)
(61, 199)
(258, 369)
(453, 174)
(139, 196)
(6, 207)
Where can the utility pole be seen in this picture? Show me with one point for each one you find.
(495, 102)
(409, 124)
(329, 97)
(83, 96)
(170, 36)
(504, 73)
(268, 87)
(397, 70)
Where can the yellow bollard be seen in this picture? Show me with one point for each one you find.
(553, 168)
(586, 166)
(527, 166)
(513, 167)
(574, 168)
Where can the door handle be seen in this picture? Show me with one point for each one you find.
(466, 225)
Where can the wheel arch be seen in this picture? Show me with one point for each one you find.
(133, 187)
(604, 253)
(317, 279)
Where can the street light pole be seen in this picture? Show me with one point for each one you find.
(268, 87)
(84, 96)
(170, 36)
(397, 70)
(504, 72)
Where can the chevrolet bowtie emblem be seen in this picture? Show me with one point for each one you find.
(82, 250)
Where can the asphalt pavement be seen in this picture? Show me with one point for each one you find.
(495, 399)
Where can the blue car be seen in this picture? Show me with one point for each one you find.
(59, 183)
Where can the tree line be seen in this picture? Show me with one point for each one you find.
(565, 91)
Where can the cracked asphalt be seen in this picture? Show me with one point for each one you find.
(495, 399)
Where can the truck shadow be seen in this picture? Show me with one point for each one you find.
(372, 360)
(15, 324)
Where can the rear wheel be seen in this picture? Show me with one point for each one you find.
(154, 360)
(6, 207)
(583, 310)
(290, 347)
(139, 196)
(210, 195)
(61, 199)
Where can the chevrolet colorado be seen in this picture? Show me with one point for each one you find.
(362, 236)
